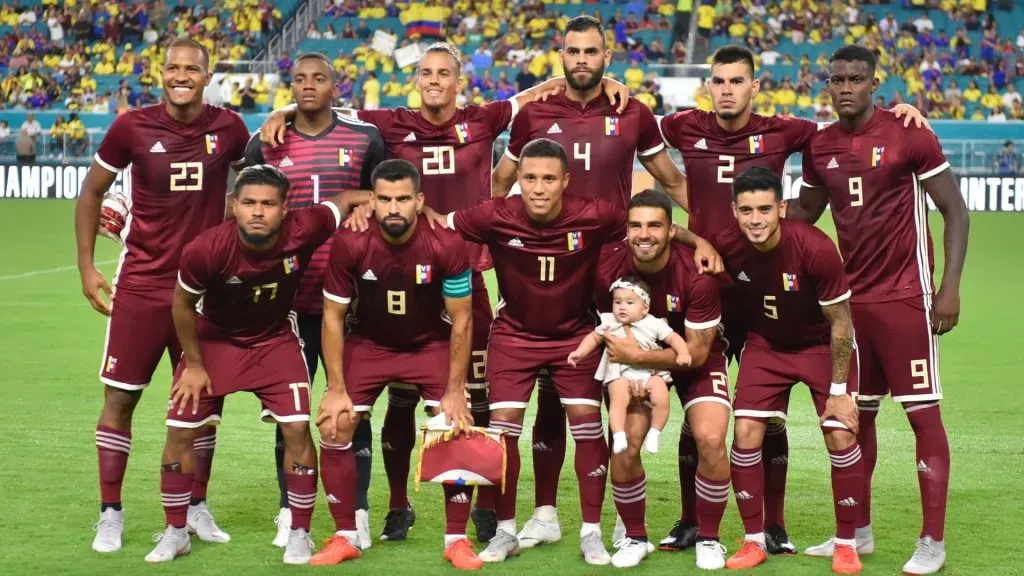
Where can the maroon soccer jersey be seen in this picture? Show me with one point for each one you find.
(319, 167)
(247, 295)
(545, 271)
(873, 177)
(712, 157)
(179, 184)
(399, 302)
(600, 144)
(784, 289)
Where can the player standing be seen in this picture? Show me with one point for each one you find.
(412, 323)
(324, 154)
(180, 152)
(246, 272)
(689, 301)
(876, 175)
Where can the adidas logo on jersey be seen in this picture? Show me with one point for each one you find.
(459, 498)
(599, 471)
(369, 275)
(554, 129)
(743, 276)
(157, 148)
(922, 467)
(744, 495)
(410, 138)
(701, 144)
(233, 280)
(848, 502)
(286, 162)
(515, 243)
(832, 164)
(364, 453)
(332, 499)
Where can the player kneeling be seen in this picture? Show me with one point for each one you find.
(412, 323)
(246, 273)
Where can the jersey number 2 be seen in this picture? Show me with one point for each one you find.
(727, 168)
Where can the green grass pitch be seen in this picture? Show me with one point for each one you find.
(51, 343)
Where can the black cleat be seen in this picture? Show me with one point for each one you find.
(486, 522)
(777, 541)
(397, 523)
(681, 537)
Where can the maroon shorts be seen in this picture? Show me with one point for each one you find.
(482, 317)
(139, 330)
(899, 355)
(370, 368)
(513, 370)
(767, 376)
(275, 372)
(709, 384)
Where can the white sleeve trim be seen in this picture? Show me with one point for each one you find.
(335, 211)
(654, 150)
(515, 110)
(336, 298)
(933, 171)
(511, 156)
(188, 288)
(660, 131)
(845, 296)
(451, 220)
(105, 165)
(702, 325)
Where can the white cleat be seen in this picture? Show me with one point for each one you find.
(593, 550)
(363, 538)
(630, 552)
(536, 532)
(299, 548)
(710, 555)
(865, 545)
(283, 521)
(200, 522)
(500, 547)
(929, 557)
(171, 543)
(109, 530)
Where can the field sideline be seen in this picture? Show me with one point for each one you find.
(51, 341)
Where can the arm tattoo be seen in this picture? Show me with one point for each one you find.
(838, 316)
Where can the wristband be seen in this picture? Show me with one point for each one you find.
(837, 389)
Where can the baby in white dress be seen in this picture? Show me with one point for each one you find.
(631, 302)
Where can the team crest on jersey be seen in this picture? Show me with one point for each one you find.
(211, 143)
(344, 157)
(673, 303)
(789, 283)
(423, 274)
(462, 132)
(877, 156)
(611, 125)
(111, 364)
(757, 144)
(575, 240)
(291, 264)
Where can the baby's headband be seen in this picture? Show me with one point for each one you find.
(620, 283)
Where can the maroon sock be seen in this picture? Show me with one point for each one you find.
(506, 508)
(748, 485)
(456, 508)
(687, 475)
(775, 454)
(112, 448)
(338, 475)
(847, 487)
(548, 439)
(302, 496)
(932, 466)
(591, 463)
(868, 441)
(175, 493)
(631, 503)
(712, 498)
(203, 450)
(397, 439)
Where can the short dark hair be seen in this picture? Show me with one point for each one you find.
(757, 179)
(584, 22)
(262, 174)
(651, 198)
(317, 56)
(396, 170)
(190, 43)
(638, 281)
(855, 53)
(446, 48)
(545, 148)
(731, 54)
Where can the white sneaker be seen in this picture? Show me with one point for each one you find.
(109, 531)
(710, 555)
(630, 553)
(536, 532)
(200, 522)
(593, 550)
(171, 543)
(363, 529)
(929, 557)
(500, 547)
(865, 545)
(299, 548)
(619, 532)
(283, 521)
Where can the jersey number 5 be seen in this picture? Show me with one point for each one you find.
(186, 176)
(439, 160)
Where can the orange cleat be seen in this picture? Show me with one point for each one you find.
(460, 553)
(845, 560)
(336, 550)
(750, 555)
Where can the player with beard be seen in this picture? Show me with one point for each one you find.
(324, 154)
(452, 148)
(180, 152)
(876, 175)
(715, 147)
